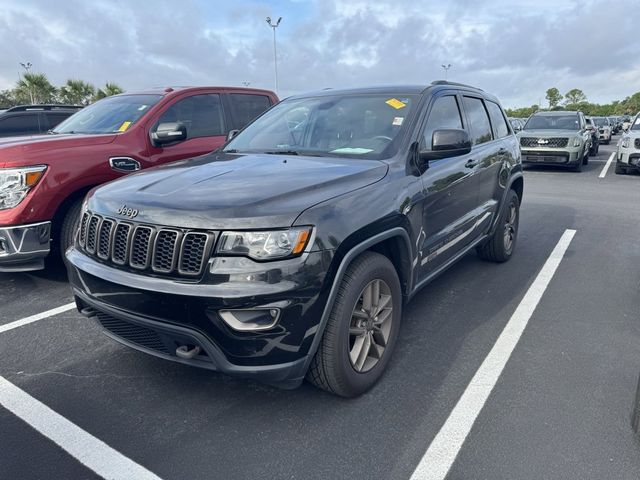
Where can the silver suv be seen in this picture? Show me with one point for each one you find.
(556, 138)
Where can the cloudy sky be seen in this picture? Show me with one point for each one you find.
(515, 49)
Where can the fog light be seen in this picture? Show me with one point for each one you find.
(251, 319)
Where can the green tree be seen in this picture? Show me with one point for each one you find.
(76, 92)
(108, 90)
(34, 88)
(575, 96)
(7, 99)
(553, 97)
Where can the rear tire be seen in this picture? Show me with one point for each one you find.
(620, 170)
(344, 364)
(502, 243)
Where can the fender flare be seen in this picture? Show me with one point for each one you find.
(337, 280)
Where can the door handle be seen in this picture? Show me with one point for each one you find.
(471, 163)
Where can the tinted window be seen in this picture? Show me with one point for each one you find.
(201, 114)
(479, 125)
(247, 107)
(444, 114)
(497, 118)
(55, 118)
(19, 125)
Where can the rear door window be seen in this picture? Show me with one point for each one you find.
(201, 114)
(497, 119)
(247, 107)
(53, 119)
(479, 125)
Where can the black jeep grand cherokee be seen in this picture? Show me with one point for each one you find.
(291, 251)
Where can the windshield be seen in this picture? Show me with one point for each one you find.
(636, 123)
(553, 122)
(110, 115)
(358, 126)
(601, 122)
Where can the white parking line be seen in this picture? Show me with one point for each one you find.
(607, 165)
(38, 316)
(87, 449)
(444, 448)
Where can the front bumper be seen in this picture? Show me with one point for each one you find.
(550, 157)
(629, 158)
(24, 247)
(159, 315)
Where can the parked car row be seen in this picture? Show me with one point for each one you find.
(33, 119)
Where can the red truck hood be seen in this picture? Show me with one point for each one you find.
(18, 151)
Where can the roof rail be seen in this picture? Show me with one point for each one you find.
(444, 82)
(25, 108)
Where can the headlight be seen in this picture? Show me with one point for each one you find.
(15, 183)
(577, 142)
(265, 245)
(626, 142)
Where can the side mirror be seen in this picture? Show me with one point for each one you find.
(170, 132)
(232, 133)
(447, 143)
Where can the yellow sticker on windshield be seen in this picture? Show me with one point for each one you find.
(395, 103)
(124, 126)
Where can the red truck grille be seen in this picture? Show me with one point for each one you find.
(145, 247)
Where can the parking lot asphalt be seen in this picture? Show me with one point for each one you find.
(560, 409)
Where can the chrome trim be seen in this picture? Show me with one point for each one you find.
(206, 250)
(117, 169)
(110, 241)
(177, 245)
(130, 229)
(150, 243)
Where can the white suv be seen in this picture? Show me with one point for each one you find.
(628, 156)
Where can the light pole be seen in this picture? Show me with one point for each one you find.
(27, 66)
(275, 53)
(446, 69)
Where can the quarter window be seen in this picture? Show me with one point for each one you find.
(201, 114)
(479, 125)
(444, 114)
(498, 120)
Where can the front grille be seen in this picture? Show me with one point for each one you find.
(554, 142)
(131, 332)
(145, 247)
(637, 143)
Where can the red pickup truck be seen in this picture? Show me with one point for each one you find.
(44, 178)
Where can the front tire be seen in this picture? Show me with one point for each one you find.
(69, 226)
(620, 170)
(362, 329)
(502, 243)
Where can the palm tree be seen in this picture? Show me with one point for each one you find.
(34, 88)
(108, 90)
(76, 92)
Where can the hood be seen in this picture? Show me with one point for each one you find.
(14, 149)
(548, 133)
(221, 191)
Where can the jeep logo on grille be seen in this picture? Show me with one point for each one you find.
(127, 212)
(542, 141)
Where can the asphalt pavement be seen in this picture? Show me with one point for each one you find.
(560, 409)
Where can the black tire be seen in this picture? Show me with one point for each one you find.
(620, 170)
(496, 248)
(331, 368)
(585, 157)
(578, 167)
(69, 226)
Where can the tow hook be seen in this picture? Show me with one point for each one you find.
(183, 351)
